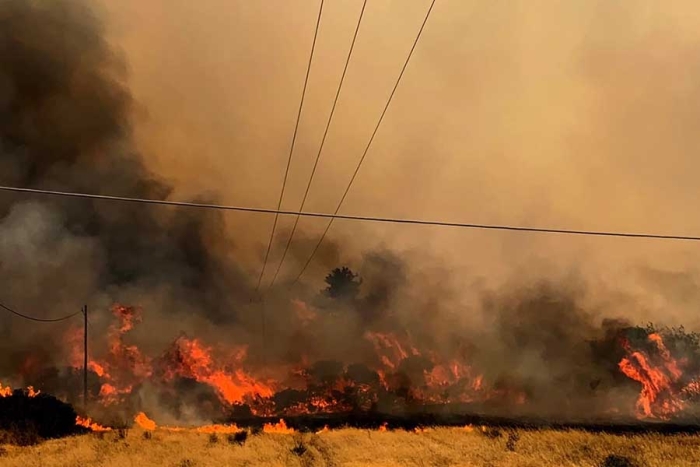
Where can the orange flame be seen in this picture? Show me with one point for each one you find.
(222, 429)
(6, 391)
(194, 360)
(278, 428)
(144, 422)
(657, 397)
(89, 424)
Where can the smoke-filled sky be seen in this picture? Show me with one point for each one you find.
(575, 114)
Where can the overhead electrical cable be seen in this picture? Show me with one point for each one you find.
(41, 320)
(369, 144)
(323, 142)
(291, 149)
(389, 220)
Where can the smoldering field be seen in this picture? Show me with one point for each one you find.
(90, 102)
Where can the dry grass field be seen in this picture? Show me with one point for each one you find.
(354, 447)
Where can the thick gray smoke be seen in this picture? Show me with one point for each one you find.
(65, 113)
(66, 124)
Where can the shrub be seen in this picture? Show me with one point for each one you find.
(617, 461)
(238, 438)
(299, 449)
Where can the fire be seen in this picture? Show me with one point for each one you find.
(658, 376)
(278, 428)
(221, 429)
(124, 364)
(191, 359)
(383, 427)
(144, 422)
(6, 391)
(89, 424)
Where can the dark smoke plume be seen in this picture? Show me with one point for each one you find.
(65, 124)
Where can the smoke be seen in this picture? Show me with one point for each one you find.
(171, 101)
(66, 124)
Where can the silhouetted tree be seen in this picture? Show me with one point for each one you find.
(343, 284)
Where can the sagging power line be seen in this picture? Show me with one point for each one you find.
(291, 149)
(369, 144)
(323, 142)
(40, 320)
(386, 220)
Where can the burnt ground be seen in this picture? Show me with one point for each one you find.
(452, 416)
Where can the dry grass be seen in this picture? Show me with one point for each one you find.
(351, 447)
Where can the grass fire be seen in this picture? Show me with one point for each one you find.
(348, 233)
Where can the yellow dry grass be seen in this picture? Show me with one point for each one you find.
(353, 447)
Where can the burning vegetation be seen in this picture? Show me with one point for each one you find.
(190, 345)
(647, 373)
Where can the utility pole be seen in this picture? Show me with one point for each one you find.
(85, 358)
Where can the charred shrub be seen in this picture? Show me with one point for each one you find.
(122, 434)
(26, 436)
(238, 438)
(299, 449)
(513, 438)
(147, 435)
(213, 438)
(40, 417)
(492, 432)
(614, 460)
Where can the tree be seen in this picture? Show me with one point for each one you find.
(343, 284)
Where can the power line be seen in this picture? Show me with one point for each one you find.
(41, 320)
(369, 144)
(323, 142)
(386, 220)
(291, 149)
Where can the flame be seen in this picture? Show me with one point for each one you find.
(658, 377)
(194, 360)
(278, 428)
(123, 366)
(89, 424)
(144, 422)
(325, 429)
(383, 427)
(6, 391)
(222, 429)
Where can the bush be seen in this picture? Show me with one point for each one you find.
(238, 438)
(617, 461)
(513, 438)
(30, 419)
(299, 449)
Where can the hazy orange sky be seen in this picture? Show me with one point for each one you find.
(576, 114)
